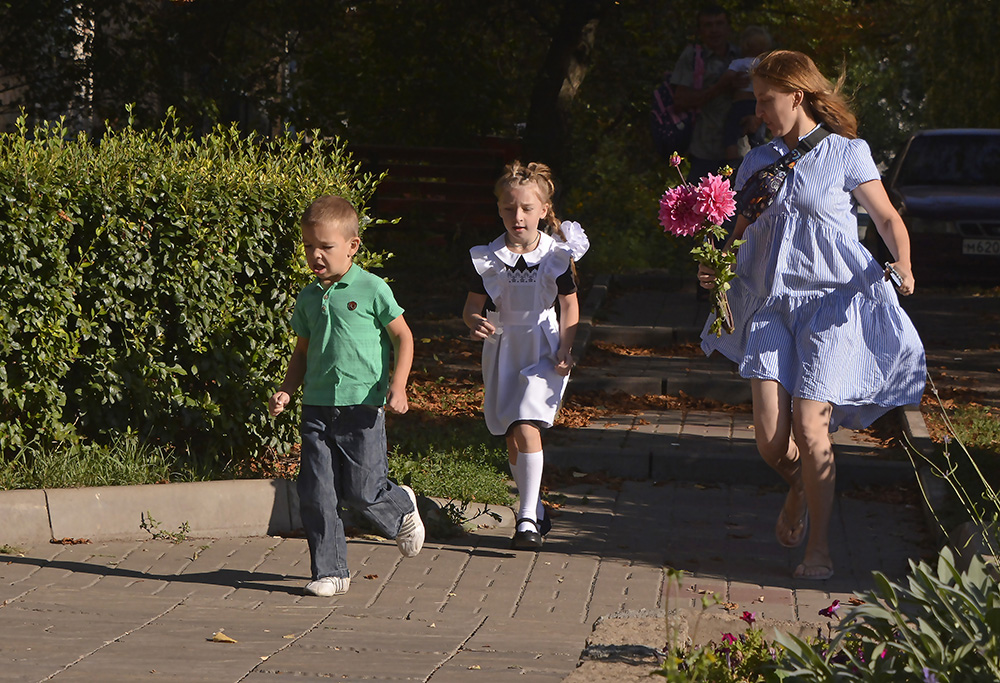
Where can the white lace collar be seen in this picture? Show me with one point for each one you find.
(532, 258)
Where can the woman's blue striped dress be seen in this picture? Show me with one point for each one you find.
(811, 306)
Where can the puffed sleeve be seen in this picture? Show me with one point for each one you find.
(575, 239)
(859, 167)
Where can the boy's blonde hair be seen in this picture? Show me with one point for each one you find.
(517, 174)
(755, 41)
(332, 210)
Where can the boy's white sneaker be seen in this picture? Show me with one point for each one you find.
(410, 538)
(328, 586)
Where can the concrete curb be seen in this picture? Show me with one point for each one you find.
(210, 509)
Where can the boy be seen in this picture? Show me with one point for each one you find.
(345, 320)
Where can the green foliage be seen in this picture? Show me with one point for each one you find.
(941, 623)
(747, 658)
(148, 284)
(152, 527)
(972, 476)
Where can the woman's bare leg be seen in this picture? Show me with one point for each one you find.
(772, 408)
(811, 425)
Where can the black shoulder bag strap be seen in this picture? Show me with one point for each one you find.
(760, 189)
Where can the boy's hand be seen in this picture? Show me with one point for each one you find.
(395, 401)
(278, 403)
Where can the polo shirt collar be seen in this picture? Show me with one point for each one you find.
(345, 281)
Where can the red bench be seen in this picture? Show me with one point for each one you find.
(442, 190)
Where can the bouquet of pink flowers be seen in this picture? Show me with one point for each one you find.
(698, 211)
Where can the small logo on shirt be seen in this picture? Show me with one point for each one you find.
(351, 305)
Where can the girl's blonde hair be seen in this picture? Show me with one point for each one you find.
(517, 174)
(789, 71)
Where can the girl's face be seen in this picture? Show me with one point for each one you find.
(521, 208)
(780, 110)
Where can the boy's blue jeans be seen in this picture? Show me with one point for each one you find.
(344, 463)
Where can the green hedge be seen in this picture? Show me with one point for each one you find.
(148, 280)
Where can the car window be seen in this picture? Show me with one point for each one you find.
(951, 160)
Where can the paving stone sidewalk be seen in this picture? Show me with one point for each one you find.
(467, 608)
(464, 610)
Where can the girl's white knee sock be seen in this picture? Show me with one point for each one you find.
(528, 477)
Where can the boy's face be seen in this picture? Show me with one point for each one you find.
(328, 251)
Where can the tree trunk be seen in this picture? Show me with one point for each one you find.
(565, 67)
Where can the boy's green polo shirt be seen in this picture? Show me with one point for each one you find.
(348, 358)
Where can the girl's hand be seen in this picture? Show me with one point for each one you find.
(565, 363)
(706, 276)
(483, 328)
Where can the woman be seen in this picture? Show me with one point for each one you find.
(819, 331)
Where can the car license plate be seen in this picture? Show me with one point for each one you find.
(983, 247)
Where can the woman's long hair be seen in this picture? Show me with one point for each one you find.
(788, 71)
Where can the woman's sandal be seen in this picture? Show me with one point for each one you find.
(526, 540)
(813, 572)
(782, 528)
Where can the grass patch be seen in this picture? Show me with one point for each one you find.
(127, 460)
(441, 446)
(977, 426)
(474, 473)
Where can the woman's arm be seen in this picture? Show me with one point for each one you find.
(890, 226)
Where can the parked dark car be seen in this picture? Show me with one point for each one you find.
(946, 186)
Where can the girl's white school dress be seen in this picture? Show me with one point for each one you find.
(519, 359)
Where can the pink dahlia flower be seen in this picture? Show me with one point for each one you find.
(715, 199)
(678, 214)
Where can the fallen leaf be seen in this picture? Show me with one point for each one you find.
(221, 637)
(730, 605)
(289, 636)
(69, 541)
(371, 577)
(474, 667)
(856, 601)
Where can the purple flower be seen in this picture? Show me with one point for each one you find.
(675, 159)
(728, 638)
(831, 611)
(929, 677)
(749, 617)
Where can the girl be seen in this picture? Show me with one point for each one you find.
(527, 355)
(819, 331)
